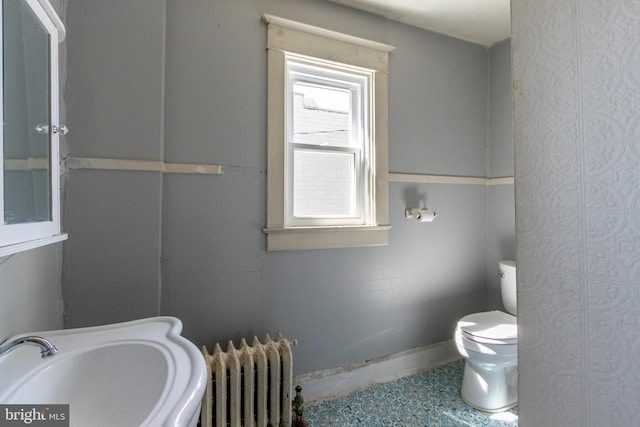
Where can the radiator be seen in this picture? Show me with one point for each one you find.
(249, 386)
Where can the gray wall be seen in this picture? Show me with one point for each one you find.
(500, 198)
(500, 115)
(576, 86)
(115, 100)
(143, 243)
(30, 292)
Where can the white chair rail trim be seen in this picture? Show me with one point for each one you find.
(141, 165)
(447, 179)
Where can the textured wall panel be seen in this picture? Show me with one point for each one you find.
(577, 109)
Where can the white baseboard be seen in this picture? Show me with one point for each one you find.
(333, 383)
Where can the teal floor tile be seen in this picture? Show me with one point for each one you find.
(428, 399)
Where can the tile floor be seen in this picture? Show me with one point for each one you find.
(429, 399)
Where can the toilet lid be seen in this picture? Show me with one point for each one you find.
(493, 327)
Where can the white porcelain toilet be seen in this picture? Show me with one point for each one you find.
(488, 342)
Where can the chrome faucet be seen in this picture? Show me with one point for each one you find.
(46, 348)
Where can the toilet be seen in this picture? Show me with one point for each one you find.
(489, 343)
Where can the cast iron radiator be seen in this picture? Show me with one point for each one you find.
(249, 386)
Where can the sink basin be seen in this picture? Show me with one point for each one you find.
(139, 373)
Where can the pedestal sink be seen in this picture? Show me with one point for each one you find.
(138, 373)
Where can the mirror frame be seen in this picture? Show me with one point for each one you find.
(19, 237)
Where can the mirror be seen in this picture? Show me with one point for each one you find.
(27, 157)
(30, 32)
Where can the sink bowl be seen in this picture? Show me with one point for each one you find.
(139, 373)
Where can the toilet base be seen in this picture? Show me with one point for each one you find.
(490, 389)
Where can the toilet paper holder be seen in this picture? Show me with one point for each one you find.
(420, 215)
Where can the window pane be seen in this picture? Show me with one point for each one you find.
(323, 185)
(321, 115)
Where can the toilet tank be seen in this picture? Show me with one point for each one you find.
(508, 285)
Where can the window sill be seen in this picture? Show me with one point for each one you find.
(303, 238)
(31, 244)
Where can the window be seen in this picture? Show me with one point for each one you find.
(327, 139)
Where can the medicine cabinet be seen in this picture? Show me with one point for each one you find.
(30, 177)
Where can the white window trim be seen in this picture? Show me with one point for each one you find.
(285, 36)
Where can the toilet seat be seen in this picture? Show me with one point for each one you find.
(491, 327)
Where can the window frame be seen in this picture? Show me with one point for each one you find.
(356, 81)
(294, 39)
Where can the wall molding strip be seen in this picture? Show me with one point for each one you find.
(500, 181)
(445, 179)
(141, 165)
(213, 169)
